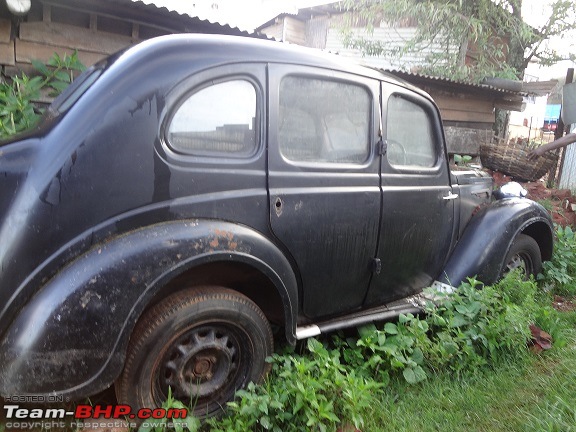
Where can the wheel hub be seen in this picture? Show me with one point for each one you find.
(200, 364)
(203, 367)
(519, 261)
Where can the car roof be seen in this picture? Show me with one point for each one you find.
(231, 49)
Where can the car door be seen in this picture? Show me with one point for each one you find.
(417, 229)
(324, 184)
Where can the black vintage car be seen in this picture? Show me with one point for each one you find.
(185, 197)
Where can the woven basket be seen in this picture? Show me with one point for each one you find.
(512, 159)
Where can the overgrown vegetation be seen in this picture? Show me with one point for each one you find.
(464, 363)
(560, 272)
(18, 95)
(335, 382)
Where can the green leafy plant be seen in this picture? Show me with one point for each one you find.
(334, 383)
(18, 111)
(472, 327)
(58, 72)
(558, 273)
(311, 392)
(397, 347)
(462, 159)
(189, 423)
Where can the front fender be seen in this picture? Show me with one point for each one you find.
(71, 337)
(483, 247)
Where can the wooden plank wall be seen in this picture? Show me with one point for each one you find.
(275, 30)
(7, 55)
(460, 108)
(295, 31)
(39, 40)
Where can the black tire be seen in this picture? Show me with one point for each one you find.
(204, 343)
(524, 254)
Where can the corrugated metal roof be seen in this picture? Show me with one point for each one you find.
(185, 21)
(409, 76)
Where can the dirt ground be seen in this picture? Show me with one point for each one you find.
(556, 201)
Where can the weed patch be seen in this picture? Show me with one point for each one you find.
(558, 273)
(467, 332)
(18, 111)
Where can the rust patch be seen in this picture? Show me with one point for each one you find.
(224, 234)
(224, 239)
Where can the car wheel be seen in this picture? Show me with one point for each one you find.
(524, 255)
(202, 343)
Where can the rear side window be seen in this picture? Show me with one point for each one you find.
(218, 119)
(321, 120)
(411, 135)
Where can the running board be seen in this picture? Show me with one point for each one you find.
(393, 310)
(412, 304)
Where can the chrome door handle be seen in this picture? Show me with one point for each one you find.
(450, 196)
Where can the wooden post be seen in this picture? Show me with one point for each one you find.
(559, 133)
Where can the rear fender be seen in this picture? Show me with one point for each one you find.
(483, 247)
(72, 336)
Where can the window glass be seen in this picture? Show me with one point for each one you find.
(411, 136)
(216, 120)
(323, 121)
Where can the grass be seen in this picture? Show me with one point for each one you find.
(533, 393)
(340, 381)
(524, 393)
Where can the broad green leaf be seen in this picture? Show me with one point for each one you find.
(417, 356)
(391, 328)
(414, 375)
(265, 422)
(366, 330)
(40, 67)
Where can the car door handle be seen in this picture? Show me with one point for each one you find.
(450, 196)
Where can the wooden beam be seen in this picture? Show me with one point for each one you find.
(93, 22)
(171, 22)
(7, 55)
(28, 51)
(135, 31)
(73, 37)
(509, 105)
(5, 30)
(46, 13)
(463, 116)
(469, 104)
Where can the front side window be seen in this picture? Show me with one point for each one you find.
(323, 121)
(411, 136)
(219, 119)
